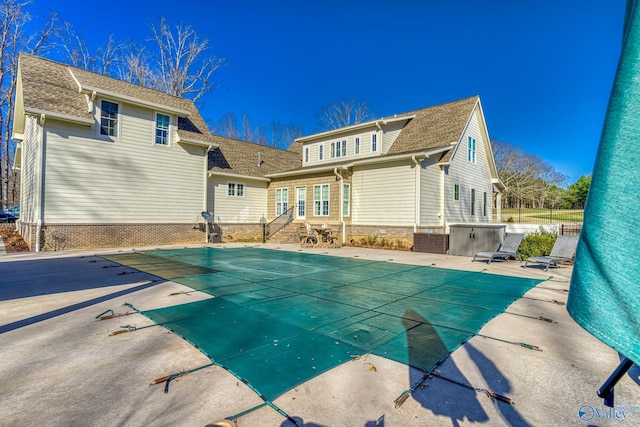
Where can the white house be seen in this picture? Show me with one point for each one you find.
(104, 162)
(109, 163)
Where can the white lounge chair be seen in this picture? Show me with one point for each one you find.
(507, 249)
(564, 250)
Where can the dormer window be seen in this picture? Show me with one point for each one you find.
(162, 129)
(109, 119)
(320, 152)
(374, 142)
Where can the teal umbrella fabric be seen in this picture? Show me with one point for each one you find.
(604, 296)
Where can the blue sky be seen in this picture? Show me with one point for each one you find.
(543, 69)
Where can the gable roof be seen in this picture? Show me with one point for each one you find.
(434, 127)
(55, 89)
(235, 157)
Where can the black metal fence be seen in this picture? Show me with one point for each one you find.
(568, 221)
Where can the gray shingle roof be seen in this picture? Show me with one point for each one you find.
(50, 86)
(241, 158)
(434, 127)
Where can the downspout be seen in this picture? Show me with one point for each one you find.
(417, 195)
(206, 191)
(344, 225)
(40, 169)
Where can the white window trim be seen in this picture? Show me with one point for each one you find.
(155, 127)
(282, 202)
(118, 137)
(306, 154)
(471, 152)
(321, 152)
(374, 142)
(304, 215)
(235, 190)
(458, 193)
(356, 145)
(321, 200)
(346, 196)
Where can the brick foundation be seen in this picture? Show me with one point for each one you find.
(83, 236)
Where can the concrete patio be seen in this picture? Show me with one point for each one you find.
(62, 366)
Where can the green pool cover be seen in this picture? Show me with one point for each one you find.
(280, 318)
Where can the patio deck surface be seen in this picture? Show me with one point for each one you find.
(330, 337)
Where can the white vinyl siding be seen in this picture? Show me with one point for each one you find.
(128, 177)
(431, 198)
(383, 194)
(468, 175)
(238, 210)
(391, 132)
(29, 173)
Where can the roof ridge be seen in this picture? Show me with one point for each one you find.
(102, 76)
(434, 106)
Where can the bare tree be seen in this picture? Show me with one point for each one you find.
(282, 135)
(227, 126)
(79, 55)
(343, 113)
(133, 66)
(183, 68)
(16, 35)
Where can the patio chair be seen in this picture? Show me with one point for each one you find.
(507, 249)
(564, 250)
(307, 236)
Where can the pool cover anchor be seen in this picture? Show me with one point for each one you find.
(489, 393)
(167, 379)
(113, 314)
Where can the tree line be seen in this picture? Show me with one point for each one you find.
(533, 183)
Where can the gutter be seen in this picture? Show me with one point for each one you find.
(234, 175)
(64, 117)
(206, 190)
(344, 225)
(40, 160)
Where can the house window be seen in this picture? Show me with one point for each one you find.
(338, 151)
(109, 119)
(320, 152)
(306, 155)
(302, 202)
(321, 200)
(282, 200)
(456, 192)
(357, 145)
(344, 148)
(471, 150)
(333, 150)
(162, 129)
(346, 197)
(235, 190)
(374, 142)
(484, 203)
(473, 201)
